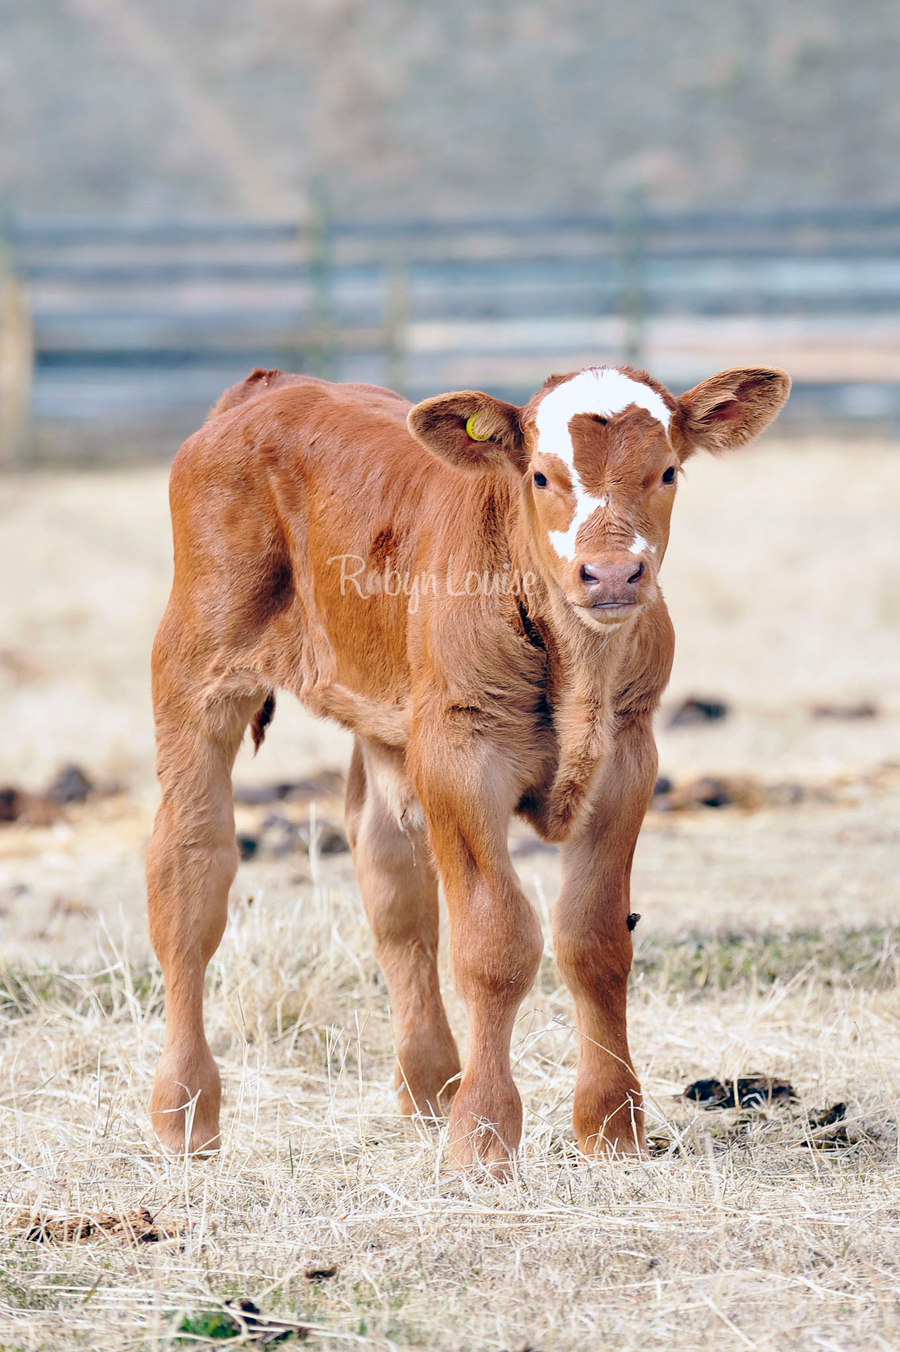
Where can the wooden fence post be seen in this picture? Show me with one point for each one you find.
(321, 360)
(16, 362)
(631, 256)
(396, 317)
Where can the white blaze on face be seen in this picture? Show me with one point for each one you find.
(639, 545)
(606, 392)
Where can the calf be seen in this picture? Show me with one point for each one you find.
(473, 590)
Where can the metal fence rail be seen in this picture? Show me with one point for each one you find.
(117, 335)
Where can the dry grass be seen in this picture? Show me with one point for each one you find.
(765, 947)
(740, 1235)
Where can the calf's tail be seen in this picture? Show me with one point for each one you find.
(261, 720)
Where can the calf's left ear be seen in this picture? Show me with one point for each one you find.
(471, 431)
(729, 409)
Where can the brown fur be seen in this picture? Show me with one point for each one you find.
(466, 708)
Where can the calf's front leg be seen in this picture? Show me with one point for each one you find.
(495, 945)
(592, 941)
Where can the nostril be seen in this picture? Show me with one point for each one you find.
(588, 575)
(637, 574)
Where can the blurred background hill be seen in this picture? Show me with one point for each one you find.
(128, 106)
(439, 195)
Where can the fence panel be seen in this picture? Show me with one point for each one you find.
(132, 328)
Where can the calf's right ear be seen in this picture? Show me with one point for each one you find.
(471, 431)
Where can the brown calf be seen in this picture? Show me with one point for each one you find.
(472, 588)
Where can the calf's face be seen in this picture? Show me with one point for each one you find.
(601, 482)
(598, 454)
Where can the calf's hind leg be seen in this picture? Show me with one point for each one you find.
(191, 864)
(399, 890)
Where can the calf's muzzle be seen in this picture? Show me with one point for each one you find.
(612, 581)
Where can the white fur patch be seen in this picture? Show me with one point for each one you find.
(639, 545)
(601, 390)
(585, 506)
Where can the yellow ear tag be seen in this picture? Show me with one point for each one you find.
(470, 429)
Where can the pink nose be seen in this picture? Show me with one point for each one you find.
(612, 581)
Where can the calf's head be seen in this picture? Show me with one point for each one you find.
(598, 454)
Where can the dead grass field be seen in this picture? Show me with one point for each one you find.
(769, 943)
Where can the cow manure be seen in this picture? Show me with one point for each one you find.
(838, 1139)
(532, 845)
(41, 811)
(278, 833)
(697, 710)
(846, 712)
(31, 809)
(709, 1093)
(715, 791)
(12, 803)
(320, 1272)
(329, 838)
(70, 784)
(826, 1117)
(249, 1319)
(247, 845)
(749, 1091)
(281, 835)
(133, 1227)
(241, 1319)
(255, 795)
(709, 791)
(322, 784)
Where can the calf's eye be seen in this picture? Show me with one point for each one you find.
(669, 475)
(540, 479)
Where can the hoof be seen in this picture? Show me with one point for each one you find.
(602, 1148)
(184, 1108)
(482, 1154)
(427, 1078)
(611, 1129)
(485, 1138)
(181, 1134)
(431, 1101)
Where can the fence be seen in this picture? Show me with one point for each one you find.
(117, 335)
